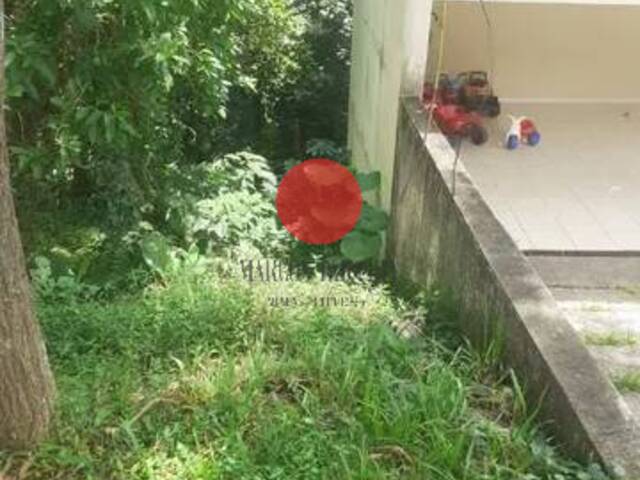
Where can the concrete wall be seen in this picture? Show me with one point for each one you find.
(388, 58)
(549, 51)
(444, 234)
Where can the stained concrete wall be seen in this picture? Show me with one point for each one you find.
(443, 234)
(548, 51)
(388, 58)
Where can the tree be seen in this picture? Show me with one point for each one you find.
(104, 95)
(26, 383)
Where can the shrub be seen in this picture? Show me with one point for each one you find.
(104, 94)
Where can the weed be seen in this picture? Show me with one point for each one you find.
(628, 382)
(611, 339)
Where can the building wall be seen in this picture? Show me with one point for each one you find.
(388, 59)
(549, 51)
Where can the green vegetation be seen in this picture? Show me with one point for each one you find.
(628, 382)
(147, 139)
(611, 339)
(204, 379)
(104, 95)
(198, 374)
(176, 367)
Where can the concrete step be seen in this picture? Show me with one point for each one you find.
(601, 299)
(617, 361)
(601, 311)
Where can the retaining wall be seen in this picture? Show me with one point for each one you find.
(444, 234)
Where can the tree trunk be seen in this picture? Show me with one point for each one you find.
(26, 383)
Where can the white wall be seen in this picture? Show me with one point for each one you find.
(549, 51)
(388, 59)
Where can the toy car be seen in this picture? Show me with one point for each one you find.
(446, 93)
(477, 95)
(522, 130)
(454, 120)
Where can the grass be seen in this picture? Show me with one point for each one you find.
(611, 339)
(628, 382)
(204, 379)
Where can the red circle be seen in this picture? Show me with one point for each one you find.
(319, 201)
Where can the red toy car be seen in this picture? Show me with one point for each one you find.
(455, 120)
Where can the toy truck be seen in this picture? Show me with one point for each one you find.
(477, 95)
(446, 92)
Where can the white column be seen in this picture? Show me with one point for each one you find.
(416, 45)
(389, 55)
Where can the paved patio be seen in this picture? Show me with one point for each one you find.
(579, 190)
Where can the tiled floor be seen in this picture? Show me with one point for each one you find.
(579, 190)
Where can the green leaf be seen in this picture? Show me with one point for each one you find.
(372, 219)
(45, 71)
(109, 127)
(14, 90)
(9, 58)
(221, 230)
(368, 181)
(360, 246)
(92, 124)
(156, 252)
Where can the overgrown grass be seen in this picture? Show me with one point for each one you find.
(628, 382)
(205, 379)
(611, 339)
